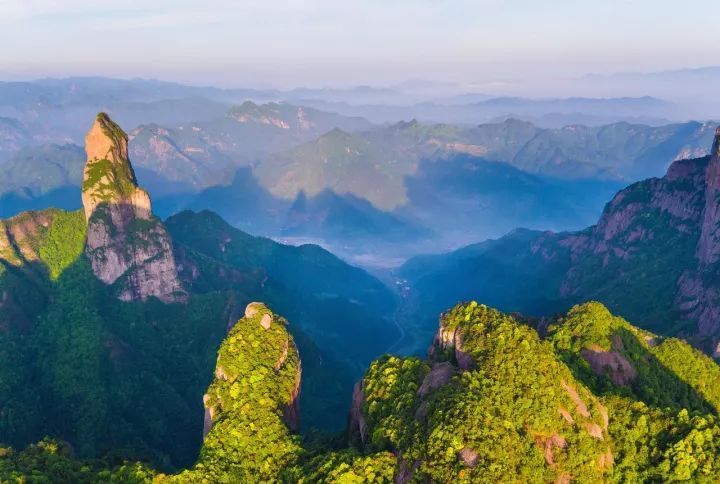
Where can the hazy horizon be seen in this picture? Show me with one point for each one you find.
(489, 45)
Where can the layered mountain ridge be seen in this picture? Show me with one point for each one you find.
(97, 305)
(436, 182)
(658, 237)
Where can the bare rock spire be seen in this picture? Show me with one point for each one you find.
(126, 244)
(108, 176)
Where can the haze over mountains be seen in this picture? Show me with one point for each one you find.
(145, 296)
(53, 108)
(418, 185)
(130, 260)
(337, 242)
(657, 236)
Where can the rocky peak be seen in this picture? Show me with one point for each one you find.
(108, 175)
(268, 114)
(125, 241)
(673, 221)
(716, 143)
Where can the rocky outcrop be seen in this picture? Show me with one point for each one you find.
(19, 244)
(250, 112)
(548, 446)
(439, 375)
(448, 341)
(357, 425)
(108, 176)
(708, 249)
(698, 294)
(610, 363)
(126, 244)
(468, 457)
(665, 230)
(282, 116)
(20, 236)
(480, 359)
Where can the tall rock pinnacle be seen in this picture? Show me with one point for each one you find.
(126, 243)
(108, 176)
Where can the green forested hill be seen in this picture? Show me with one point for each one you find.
(127, 377)
(494, 400)
(110, 320)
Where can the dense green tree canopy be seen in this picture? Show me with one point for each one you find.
(493, 401)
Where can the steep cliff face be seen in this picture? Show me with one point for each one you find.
(125, 242)
(653, 257)
(699, 290)
(661, 237)
(708, 250)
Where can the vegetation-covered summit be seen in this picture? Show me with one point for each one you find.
(494, 400)
(250, 425)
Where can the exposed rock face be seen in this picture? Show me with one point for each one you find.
(440, 374)
(251, 113)
(357, 426)
(610, 363)
(468, 457)
(125, 242)
(291, 411)
(209, 416)
(698, 291)
(19, 234)
(708, 250)
(266, 321)
(549, 444)
(668, 227)
(20, 241)
(272, 114)
(108, 176)
(406, 472)
(450, 340)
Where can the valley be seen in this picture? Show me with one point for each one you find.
(336, 242)
(134, 302)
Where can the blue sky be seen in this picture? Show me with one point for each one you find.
(339, 42)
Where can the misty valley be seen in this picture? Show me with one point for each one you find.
(203, 284)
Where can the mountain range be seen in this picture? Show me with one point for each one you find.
(137, 345)
(651, 257)
(46, 103)
(470, 109)
(422, 182)
(117, 315)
